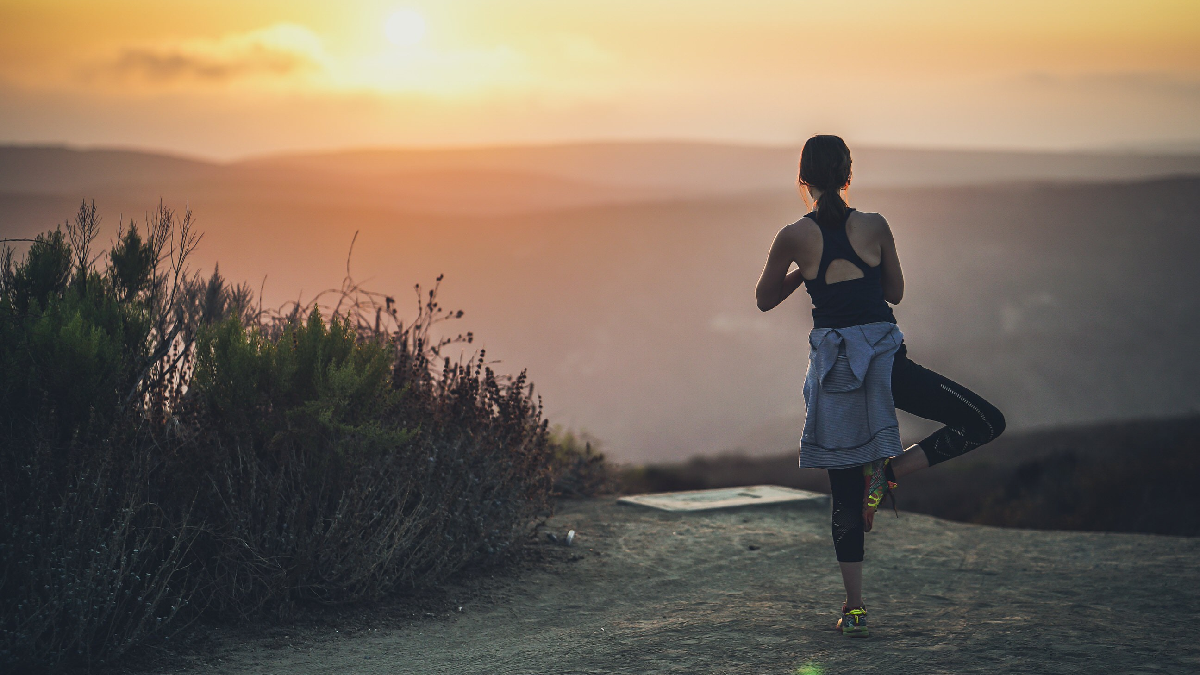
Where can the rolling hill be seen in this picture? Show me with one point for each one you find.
(622, 275)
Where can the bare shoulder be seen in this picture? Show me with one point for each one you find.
(796, 241)
(804, 231)
(870, 225)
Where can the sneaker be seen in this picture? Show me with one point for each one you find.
(853, 622)
(876, 486)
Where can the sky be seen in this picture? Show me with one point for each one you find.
(231, 78)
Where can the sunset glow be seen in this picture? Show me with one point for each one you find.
(227, 79)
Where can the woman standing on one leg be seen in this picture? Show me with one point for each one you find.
(859, 371)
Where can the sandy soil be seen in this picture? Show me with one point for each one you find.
(756, 591)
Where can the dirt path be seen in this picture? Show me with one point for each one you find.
(756, 592)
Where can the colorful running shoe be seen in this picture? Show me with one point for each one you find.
(853, 622)
(876, 487)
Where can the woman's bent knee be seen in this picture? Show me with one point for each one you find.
(987, 427)
(998, 424)
(995, 422)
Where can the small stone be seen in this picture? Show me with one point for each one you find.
(753, 547)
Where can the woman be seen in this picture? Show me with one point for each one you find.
(859, 370)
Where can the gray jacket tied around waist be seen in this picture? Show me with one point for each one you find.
(851, 417)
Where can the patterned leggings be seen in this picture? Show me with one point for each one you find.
(970, 422)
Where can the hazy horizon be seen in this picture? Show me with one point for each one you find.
(1166, 148)
(557, 257)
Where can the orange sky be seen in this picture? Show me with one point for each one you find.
(226, 78)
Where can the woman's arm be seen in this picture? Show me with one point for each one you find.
(892, 276)
(776, 283)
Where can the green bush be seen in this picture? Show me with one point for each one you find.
(303, 445)
(89, 562)
(163, 441)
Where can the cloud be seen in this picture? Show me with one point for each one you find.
(275, 52)
(158, 66)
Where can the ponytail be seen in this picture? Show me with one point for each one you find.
(825, 165)
(831, 208)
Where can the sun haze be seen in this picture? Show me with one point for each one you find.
(405, 27)
(223, 78)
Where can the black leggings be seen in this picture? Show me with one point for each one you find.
(970, 422)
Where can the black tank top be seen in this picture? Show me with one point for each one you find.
(846, 303)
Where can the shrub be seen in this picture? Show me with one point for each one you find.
(580, 469)
(303, 494)
(90, 570)
(482, 443)
(162, 440)
(90, 563)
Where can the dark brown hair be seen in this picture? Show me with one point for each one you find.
(825, 165)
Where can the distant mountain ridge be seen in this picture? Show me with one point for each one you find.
(49, 169)
(1064, 299)
(602, 171)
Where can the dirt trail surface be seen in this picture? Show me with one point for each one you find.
(756, 591)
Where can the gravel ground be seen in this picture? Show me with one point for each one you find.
(757, 591)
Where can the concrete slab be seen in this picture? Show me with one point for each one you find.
(722, 498)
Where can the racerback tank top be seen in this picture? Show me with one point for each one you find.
(846, 303)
